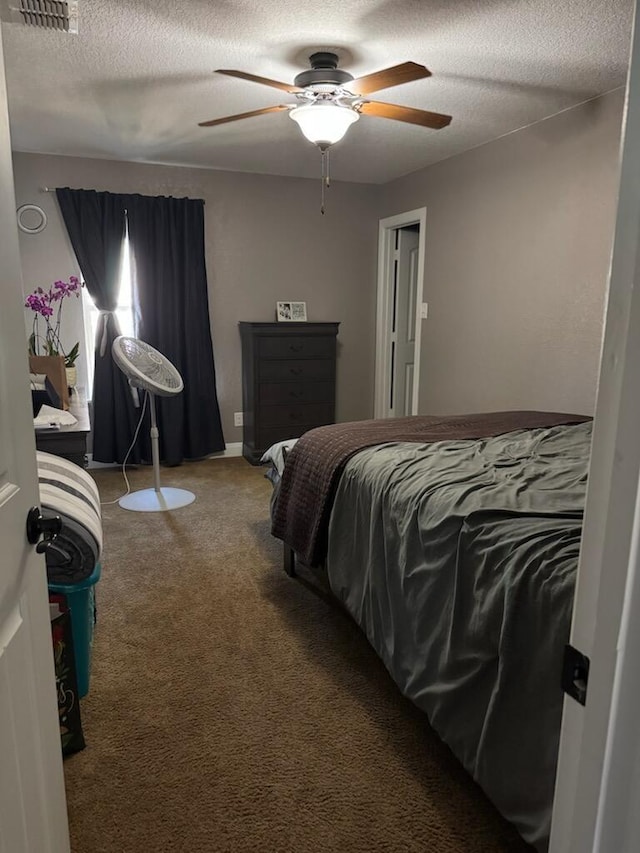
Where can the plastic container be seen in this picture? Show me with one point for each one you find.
(80, 600)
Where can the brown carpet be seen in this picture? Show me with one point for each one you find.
(234, 709)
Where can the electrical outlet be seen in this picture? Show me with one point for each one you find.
(238, 419)
(424, 310)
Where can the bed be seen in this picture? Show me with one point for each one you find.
(457, 558)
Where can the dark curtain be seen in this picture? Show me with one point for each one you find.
(96, 222)
(166, 236)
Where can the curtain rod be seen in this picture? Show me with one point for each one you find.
(52, 190)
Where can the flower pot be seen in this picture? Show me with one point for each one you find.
(53, 367)
(72, 376)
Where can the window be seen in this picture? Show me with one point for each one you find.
(123, 312)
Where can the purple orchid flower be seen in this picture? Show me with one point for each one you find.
(42, 302)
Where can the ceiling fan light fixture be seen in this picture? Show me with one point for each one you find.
(324, 124)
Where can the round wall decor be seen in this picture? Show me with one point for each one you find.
(31, 218)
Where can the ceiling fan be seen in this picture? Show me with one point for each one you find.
(330, 99)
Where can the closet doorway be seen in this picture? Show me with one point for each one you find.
(400, 313)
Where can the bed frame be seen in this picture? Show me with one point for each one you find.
(289, 561)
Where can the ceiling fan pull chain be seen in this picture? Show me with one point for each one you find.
(322, 178)
(328, 177)
(325, 176)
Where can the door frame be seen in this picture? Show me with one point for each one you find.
(597, 783)
(386, 230)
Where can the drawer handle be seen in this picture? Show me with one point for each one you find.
(296, 394)
(296, 347)
(296, 370)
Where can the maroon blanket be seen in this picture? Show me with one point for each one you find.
(310, 477)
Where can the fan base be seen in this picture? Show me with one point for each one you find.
(149, 500)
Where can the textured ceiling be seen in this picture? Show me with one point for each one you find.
(138, 78)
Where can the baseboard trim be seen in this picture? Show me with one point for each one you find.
(232, 449)
(92, 464)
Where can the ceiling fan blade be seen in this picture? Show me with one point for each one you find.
(285, 87)
(237, 117)
(394, 76)
(422, 117)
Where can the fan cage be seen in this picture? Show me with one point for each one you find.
(146, 368)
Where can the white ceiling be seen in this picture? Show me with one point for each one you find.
(138, 78)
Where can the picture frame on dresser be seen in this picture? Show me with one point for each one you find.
(291, 312)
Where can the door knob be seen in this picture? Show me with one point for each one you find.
(38, 524)
(48, 527)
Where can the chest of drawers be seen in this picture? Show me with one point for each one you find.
(288, 381)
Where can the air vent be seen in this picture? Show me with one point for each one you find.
(61, 15)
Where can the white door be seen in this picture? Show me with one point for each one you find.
(597, 797)
(401, 254)
(403, 321)
(32, 801)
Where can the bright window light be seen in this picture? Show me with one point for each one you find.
(123, 312)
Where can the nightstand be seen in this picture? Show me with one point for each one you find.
(69, 441)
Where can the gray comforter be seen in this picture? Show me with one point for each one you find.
(458, 560)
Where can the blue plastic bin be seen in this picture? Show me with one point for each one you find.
(81, 602)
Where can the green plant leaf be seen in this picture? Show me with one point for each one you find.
(72, 355)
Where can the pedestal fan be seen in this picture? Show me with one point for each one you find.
(149, 370)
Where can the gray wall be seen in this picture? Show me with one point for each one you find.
(518, 242)
(265, 241)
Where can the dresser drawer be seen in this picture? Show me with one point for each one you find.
(272, 393)
(311, 369)
(297, 413)
(298, 346)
